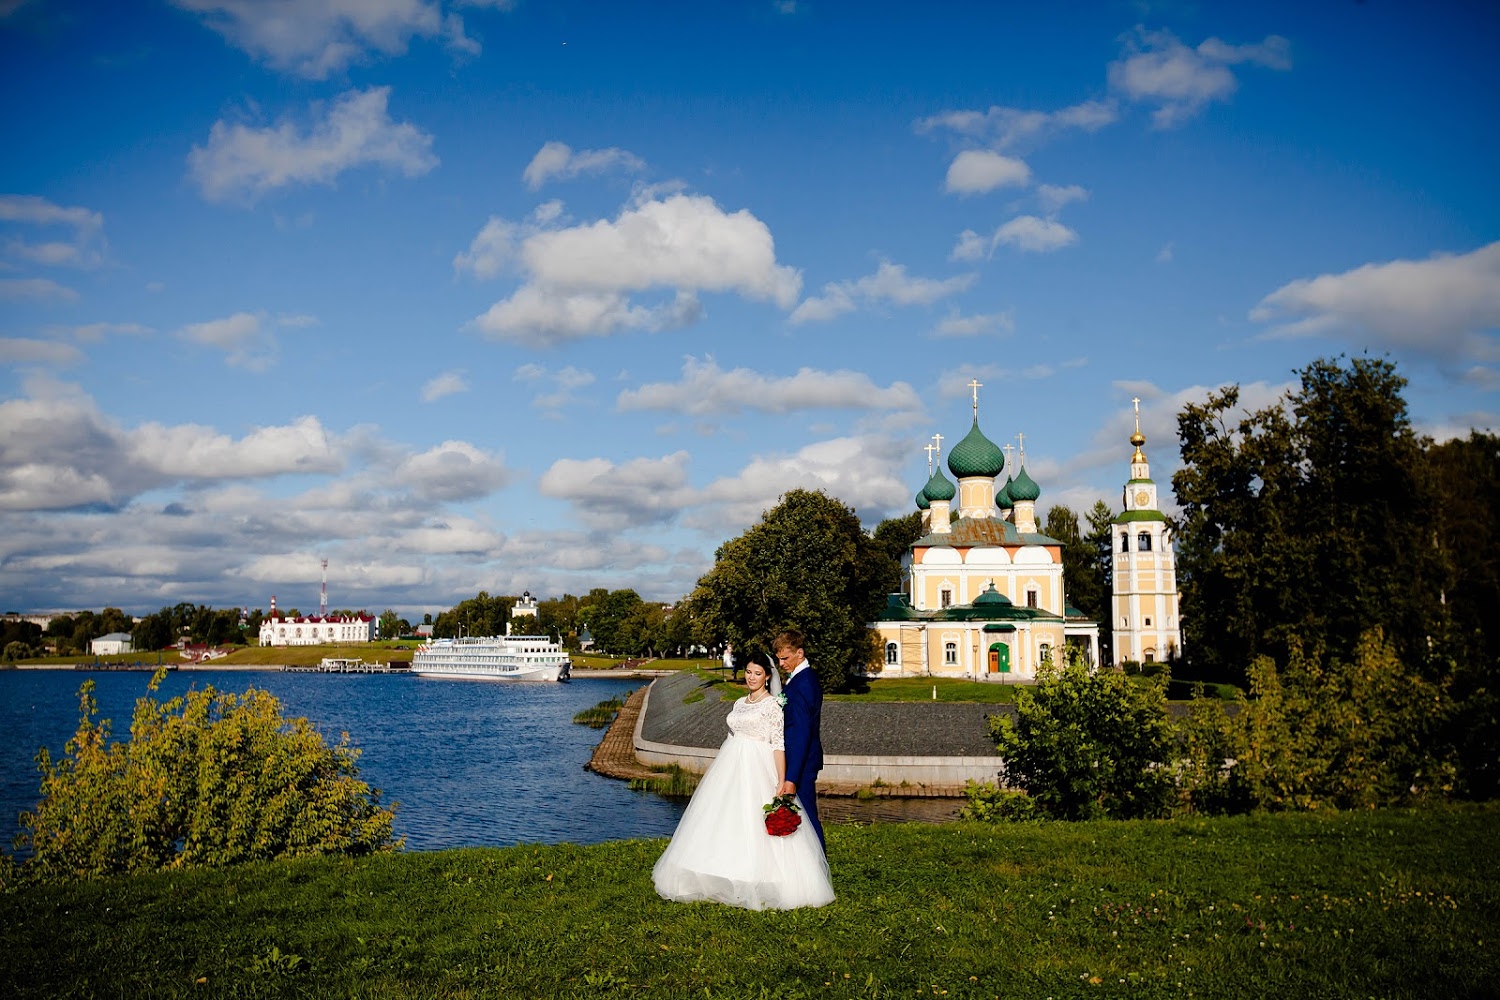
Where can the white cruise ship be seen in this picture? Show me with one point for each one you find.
(499, 657)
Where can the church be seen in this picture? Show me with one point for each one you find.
(983, 591)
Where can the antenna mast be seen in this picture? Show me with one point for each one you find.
(323, 600)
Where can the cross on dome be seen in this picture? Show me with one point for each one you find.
(929, 448)
(974, 387)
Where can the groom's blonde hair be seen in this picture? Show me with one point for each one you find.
(790, 639)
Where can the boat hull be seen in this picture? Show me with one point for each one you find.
(550, 673)
(492, 658)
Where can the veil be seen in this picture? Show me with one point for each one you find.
(775, 684)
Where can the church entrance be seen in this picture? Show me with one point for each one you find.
(999, 658)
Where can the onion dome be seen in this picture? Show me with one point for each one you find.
(1138, 439)
(976, 455)
(922, 502)
(1002, 499)
(1024, 488)
(938, 487)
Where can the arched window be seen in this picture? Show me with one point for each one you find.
(1149, 655)
(1046, 651)
(1148, 623)
(1143, 542)
(892, 654)
(1031, 597)
(950, 653)
(1124, 622)
(1124, 541)
(945, 597)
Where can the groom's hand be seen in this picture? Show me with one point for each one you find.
(788, 788)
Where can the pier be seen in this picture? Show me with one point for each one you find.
(337, 665)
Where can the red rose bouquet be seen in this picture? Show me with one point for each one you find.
(781, 816)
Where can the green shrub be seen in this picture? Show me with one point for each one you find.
(206, 780)
(1086, 745)
(989, 803)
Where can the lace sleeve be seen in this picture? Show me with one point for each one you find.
(778, 726)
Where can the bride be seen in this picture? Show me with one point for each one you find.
(721, 849)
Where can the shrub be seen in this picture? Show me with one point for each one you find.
(206, 780)
(1086, 745)
(989, 803)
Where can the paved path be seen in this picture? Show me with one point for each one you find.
(614, 757)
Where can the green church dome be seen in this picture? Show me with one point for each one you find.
(938, 487)
(991, 596)
(1024, 488)
(922, 501)
(1002, 499)
(976, 455)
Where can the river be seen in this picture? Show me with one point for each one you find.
(471, 763)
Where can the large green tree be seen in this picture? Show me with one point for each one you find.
(808, 565)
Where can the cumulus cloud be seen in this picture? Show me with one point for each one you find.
(453, 471)
(978, 324)
(977, 171)
(579, 278)
(1053, 197)
(1035, 235)
(241, 162)
(612, 497)
(560, 386)
(708, 390)
(1445, 308)
(1159, 69)
(890, 283)
(1003, 127)
(35, 289)
(559, 161)
(317, 38)
(22, 351)
(248, 340)
(446, 384)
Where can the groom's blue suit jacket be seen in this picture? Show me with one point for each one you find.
(803, 714)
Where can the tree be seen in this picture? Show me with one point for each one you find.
(807, 564)
(154, 631)
(1101, 542)
(390, 624)
(893, 539)
(1080, 559)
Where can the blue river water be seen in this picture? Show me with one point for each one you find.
(470, 763)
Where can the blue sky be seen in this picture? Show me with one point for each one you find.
(548, 296)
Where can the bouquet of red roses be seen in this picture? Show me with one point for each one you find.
(781, 816)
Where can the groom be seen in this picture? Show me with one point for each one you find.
(804, 719)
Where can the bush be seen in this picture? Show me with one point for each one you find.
(1086, 745)
(989, 803)
(206, 780)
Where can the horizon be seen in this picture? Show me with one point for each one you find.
(478, 295)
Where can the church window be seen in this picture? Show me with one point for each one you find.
(1046, 651)
(1124, 622)
(945, 597)
(1143, 542)
(1148, 623)
(950, 653)
(892, 654)
(1031, 597)
(1124, 542)
(1150, 656)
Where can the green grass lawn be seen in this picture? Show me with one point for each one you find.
(1386, 903)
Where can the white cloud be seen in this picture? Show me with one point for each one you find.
(241, 162)
(1159, 69)
(1053, 197)
(612, 497)
(708, 390)
(559, 161)
(579, 278)
(453, 471)
(190, 451)
(1003, 127)
(318, 38)
(446, 384)
(20, 351)
(1035, 235)
(248, 340)
(889, 283)
(1164, 255)
(495, 245)
(95, 332)
(970, 246)
(563, 384)
(976, 171)
(1446, 307)
(39, 211)
(957, 325)
(39, 289)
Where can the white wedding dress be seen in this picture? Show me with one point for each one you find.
(721, 850)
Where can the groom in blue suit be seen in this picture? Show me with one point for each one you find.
(804, 720)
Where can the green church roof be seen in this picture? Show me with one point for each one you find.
(1002, 499)
(922, 502)
(976, 455)
(1024, 488)
(938, 487)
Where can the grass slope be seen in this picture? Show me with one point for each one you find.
(1388, 904)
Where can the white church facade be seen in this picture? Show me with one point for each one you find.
(313, 630)
(1147, 624)
(983, 591)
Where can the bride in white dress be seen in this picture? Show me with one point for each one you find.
(721, 850)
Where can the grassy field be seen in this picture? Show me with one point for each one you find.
(1376, 904)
